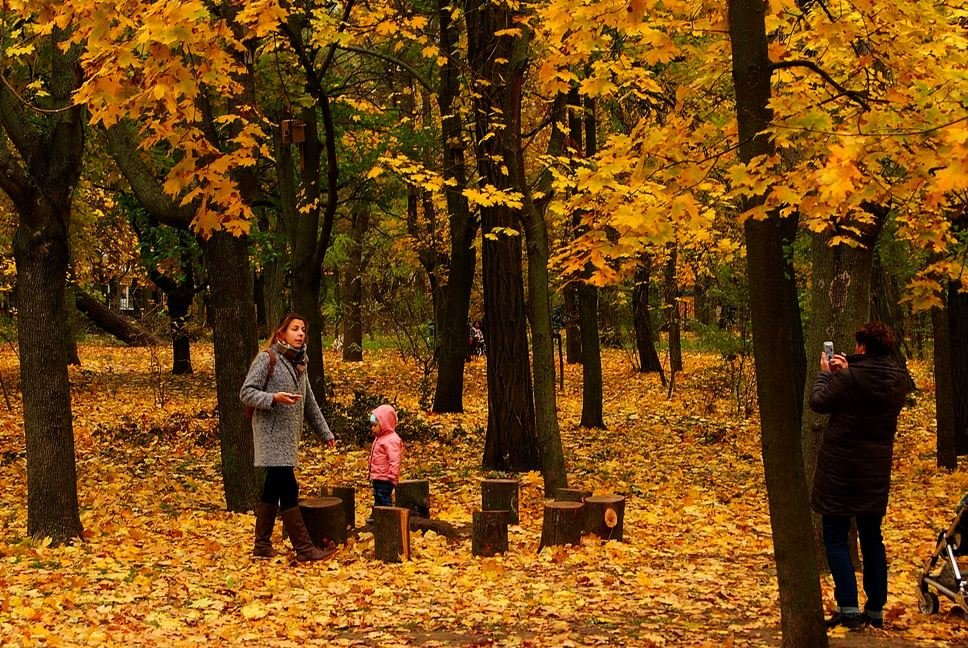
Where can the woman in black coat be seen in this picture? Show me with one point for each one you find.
(863, 393)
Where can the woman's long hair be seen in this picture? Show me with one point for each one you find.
(284, 323)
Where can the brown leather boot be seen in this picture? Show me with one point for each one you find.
(306, 551)
(265, 519)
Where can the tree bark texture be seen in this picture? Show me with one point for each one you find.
(41, 188)
(391, 533)
(490, 535)
(414, 495)
(944, 396)
(510, 442)
(592, 393)
(605, 516)
(776, 333)
(671, 294)
(353, 282)
(452, 329)
(501, 495)
(642, 319)
(325, 519)
(233, 320)
(563, 524)
(347, 496)
(958, 332)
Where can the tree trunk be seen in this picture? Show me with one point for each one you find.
(572, 326)
(840, 304)
(958, 332)
(233, 319)
(353, 286)
(671, 294)
(490, 533)
(510, 442)
(41, 260)
(391, 533)
(452, 327)
(777, 333)
(112, 323)
(944, 395)
(70, 322)
(325, 520)
(563, 524)
(501, 495)
(414, 495)
(592, 393)
(886, 307)
(39, 177)
(179, 306)
(642, 319)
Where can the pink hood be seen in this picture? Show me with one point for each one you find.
(386, 416)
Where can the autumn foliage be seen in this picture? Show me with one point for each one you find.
(162, 562)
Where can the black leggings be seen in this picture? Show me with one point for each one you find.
(281, 487)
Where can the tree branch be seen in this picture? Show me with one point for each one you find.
(417, 76)
(858, 97)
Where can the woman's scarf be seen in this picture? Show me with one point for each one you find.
(296, 357)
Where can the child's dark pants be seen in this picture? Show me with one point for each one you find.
(382, 493)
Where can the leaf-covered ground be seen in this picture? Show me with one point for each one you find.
(163, 564)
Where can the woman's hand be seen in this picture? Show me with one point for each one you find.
(331, 444)
(838, 362)
(286, 398)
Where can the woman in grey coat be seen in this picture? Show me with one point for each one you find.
(278, 393)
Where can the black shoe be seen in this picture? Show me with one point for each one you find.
(850, 620)
(874, 622)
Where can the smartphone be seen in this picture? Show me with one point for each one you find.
(828, 349)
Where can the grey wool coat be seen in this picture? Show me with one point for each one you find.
(276, 427)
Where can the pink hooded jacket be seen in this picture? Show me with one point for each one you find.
(387, 450)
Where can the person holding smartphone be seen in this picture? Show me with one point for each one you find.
(277, 388)
(863, 393)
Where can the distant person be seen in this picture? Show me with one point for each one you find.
(386, 454)
(278, 391)
(863, 393)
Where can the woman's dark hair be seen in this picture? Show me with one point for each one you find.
(877, 338)
(284, 324)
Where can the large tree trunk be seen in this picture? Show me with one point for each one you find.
(840, 304)
(944, 394)
(452, 327)
(777, 333)
(572, 326)
(642, 318)
(592, 393)
(353, 290)
(510, 442)
(233, 319)
(41, 190)
(886, 307)
(112, 323)
(958, 342)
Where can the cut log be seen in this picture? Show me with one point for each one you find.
(414, 495)
(605, 516)
(347, 494)
(500, 495)
(490, 533)
(391, 533)
(112, 323)
(324, 519)
(571, 494)
(440, 527)
(563, 524)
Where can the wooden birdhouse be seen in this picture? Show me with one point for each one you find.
(293, 131)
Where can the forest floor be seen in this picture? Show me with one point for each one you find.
(162, 562)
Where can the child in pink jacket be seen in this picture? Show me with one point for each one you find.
(385, 455)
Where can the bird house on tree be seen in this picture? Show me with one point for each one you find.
(293, 131)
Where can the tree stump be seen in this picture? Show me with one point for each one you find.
(348, 496)
(490, 533)
(605, 516)
(391, 533)
(563, 524)
(414, 495)
(571, 494)
(324, 519)
(500, 495)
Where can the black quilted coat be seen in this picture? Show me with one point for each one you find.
(854, 464)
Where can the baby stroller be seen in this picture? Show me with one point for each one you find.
(947, 578)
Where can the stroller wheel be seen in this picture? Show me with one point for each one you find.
(928, 603)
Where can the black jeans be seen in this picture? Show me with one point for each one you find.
(281, 487)
(835, 534)
(382, 493)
